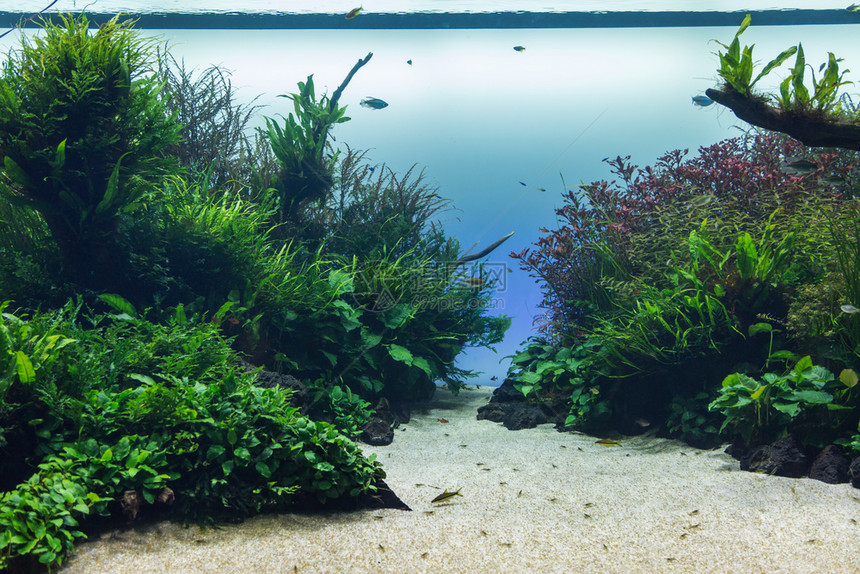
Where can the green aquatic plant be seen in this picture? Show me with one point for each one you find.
(844, 230)
(83, 132)
(301, 147)
(736, 68)
(133, 405)
(215, 137)
(691, 421)
(736, 65)
(807, 399)
(543, 371)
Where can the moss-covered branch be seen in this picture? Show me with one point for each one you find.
(813, 129)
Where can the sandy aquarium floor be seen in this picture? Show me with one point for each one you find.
(533, 501)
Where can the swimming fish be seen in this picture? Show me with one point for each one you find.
(353, 13)
(373, 103)
(607, 442)
(702, 101)
(442, 420)
(520, 48)
(850, 309)
(832, 179)
(522, 184)
(798, 167)
(447, 495)
(701, 200)
(409, 62)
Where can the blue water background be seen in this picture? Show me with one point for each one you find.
(481, 117)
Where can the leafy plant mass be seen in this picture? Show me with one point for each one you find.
(818, 118)
(140, 269)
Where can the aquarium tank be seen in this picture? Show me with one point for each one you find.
(235, 234)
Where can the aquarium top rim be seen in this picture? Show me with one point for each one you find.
(459, 20)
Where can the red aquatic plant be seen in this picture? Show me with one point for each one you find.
(619, 224)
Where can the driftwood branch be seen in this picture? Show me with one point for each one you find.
(336, 95)
(321, 132)
(483, 253)
(811, 130)
(22, 24)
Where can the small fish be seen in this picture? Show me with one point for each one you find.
(447, 495)
(494, 378)
(522, 184)
(701, 200)
(850, 309)
(520, 48)
(354, 12)
(373, 103)
(409, 62)
(642, 423)
(832, 179)
(607, 442)
(798, 167)
(442, 420)
(541, 189)
(371, 169)
(702, 101)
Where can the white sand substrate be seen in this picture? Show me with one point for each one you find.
(533, 501)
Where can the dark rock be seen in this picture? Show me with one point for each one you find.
(378, 431)
(556, 411)
(830, 466)
(507, 393)
(129, 503)
(784, 457)
(854, 472)
(165, 496)
(401, 412)
(519, 416)
(494, 412)
(515, 416)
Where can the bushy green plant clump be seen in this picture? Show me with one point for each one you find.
(807, 399)
(82, 399)
(679, 265)
(82, 136)
(544, 371)
(736, 68)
